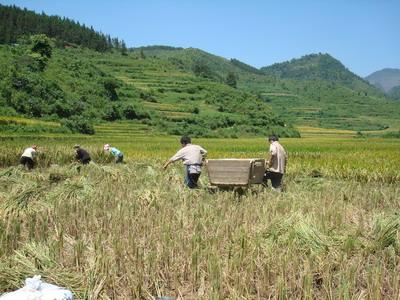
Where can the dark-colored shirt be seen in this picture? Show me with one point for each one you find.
(82, 154)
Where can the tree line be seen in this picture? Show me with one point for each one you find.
(16, 23)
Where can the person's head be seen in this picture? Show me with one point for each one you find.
(34, 147)
(273, 138)
(106, 147)
(76, 147)
(185, 140)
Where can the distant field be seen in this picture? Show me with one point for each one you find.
(306, 131)
(4, 120)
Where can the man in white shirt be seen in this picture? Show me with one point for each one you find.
(276, 166)
(192, 157)
(28, 157)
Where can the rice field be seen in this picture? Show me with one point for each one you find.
(133, 231)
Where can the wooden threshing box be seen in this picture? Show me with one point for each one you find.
(235, 172)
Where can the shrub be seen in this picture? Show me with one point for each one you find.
(111, 85)
(147, 96)
(78, 124)
(112, 113)
(394, 134)
(132, 112)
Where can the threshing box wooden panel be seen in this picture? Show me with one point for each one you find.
(235, 172)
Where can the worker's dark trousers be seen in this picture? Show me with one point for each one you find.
(27, 162)
(191, 178)
(85, 161)
(276, 179)
(119, 159)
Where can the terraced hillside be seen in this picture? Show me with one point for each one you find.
(181, 99)
(82, 83)
(164, 89)
(316, 90)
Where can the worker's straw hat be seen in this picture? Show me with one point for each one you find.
(77, 146)
(34, 147)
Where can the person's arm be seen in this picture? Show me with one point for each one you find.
(176, 157)
(270, 162)
(286, 159)
(272, 156)
(77, 155)
(165, 166)
(204, 154)
(34, 153)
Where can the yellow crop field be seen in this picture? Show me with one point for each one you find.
(133, 231)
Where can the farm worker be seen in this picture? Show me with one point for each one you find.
(192, 157)
(276, 166)
(81, 155)
(28, 158)
(119, 156)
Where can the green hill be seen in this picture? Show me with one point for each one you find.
(316, 90)
(319, 67)
(80, 84)
(200, 62)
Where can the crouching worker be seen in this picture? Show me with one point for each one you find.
(82, 155)
(119, 156)
(28, 158)
(276, 166)
(192, 157)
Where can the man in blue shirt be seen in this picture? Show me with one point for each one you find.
(119, 156)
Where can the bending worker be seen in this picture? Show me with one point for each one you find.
(276, 164)
(119, 156)
(28, 158)
(82, 155)
(192, 157)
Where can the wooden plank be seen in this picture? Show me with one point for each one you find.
(235, 172)
(229, 171)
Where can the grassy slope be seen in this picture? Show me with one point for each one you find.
(174, 97)
(164, 84)
(347, 103)
(175, 93)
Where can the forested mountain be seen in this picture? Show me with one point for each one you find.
(385, 79)
(318, 67)
(16, 23)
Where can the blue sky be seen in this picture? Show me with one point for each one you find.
(363, 34)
